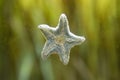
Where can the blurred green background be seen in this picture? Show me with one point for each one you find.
(21, 42)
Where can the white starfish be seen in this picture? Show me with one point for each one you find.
(59, 40)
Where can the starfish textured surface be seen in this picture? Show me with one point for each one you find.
(59, 40)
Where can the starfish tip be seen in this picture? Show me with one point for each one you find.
(39, 26)
(65, 59)
(83, 39)
(43, 26)
(62, 15)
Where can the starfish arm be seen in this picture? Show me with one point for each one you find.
(63, 26)
(75, 40)
(64, 59)
(48, 49)
(47, 31)
(63, 53)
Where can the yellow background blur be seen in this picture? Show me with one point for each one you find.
(21, 42)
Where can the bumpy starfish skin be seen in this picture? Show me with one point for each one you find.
(59, 40)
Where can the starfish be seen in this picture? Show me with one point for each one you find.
(59, 40)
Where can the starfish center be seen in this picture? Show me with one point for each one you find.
(60, 40)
